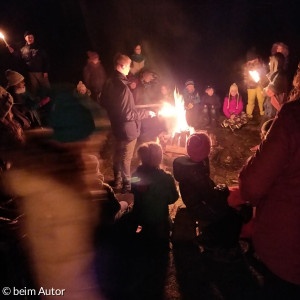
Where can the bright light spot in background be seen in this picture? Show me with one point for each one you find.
(254, 75)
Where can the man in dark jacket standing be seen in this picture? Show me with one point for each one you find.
(125, 120)
(36, 62)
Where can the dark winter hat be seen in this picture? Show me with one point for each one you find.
(189, 82)
(70, 120)
(28, 32)
(209, 87)
(251, 54)
(198, 146)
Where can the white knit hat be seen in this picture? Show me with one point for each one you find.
(13, 78)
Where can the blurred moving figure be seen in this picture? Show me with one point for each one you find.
(94, 75)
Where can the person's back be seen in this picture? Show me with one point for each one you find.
(270, 181)
(153, 189)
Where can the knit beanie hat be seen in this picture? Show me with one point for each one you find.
(251, 54)
(198, 146)
(234, 87)
(189, 82)
(70, 120)
(6, 101)
(13, 78)
(28, 32)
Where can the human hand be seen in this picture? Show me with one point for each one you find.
(152, 114)
(10, 49)
(44, 101)
(190, 106)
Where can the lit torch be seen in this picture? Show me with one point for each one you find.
(3, 38)
(254, 75)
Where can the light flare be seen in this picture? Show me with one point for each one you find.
(3, 38)
(255, 75)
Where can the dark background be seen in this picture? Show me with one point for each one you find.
(204, 40)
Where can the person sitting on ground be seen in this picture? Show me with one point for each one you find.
(191, 103)
(25, 104)
(233, 109)
(94, 75)
(205, 201)
(11, 132)
(153, 189)
(210, 105)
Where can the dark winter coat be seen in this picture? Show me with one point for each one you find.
(118, 100)
(35, 58)
(197, 189)
(94, 77)
(270, 181)
(153, 189)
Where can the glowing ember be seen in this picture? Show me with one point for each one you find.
(254, 75)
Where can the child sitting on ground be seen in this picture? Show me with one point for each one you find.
(219, 224)
(153, 189)
(233, 109)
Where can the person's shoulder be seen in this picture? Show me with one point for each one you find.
(289, 107)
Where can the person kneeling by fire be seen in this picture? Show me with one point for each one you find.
(217, 225)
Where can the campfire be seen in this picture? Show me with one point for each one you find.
(174, 141)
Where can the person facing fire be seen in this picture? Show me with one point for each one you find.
(153, 189)
(191, 103)
(205, 201)
(210, 102)
(138, 60)
(125, 120)
(254, 70)
(94, 75)
(233, 109)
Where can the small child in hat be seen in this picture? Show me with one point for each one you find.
(219, 224)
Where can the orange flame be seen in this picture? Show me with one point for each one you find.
(177, 113)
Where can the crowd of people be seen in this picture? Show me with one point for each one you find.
(53, 179)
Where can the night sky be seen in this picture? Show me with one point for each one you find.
(204, 40)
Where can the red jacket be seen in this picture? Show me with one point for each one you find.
(271, 182)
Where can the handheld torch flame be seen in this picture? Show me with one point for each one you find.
(3, 38)
(254, 75)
